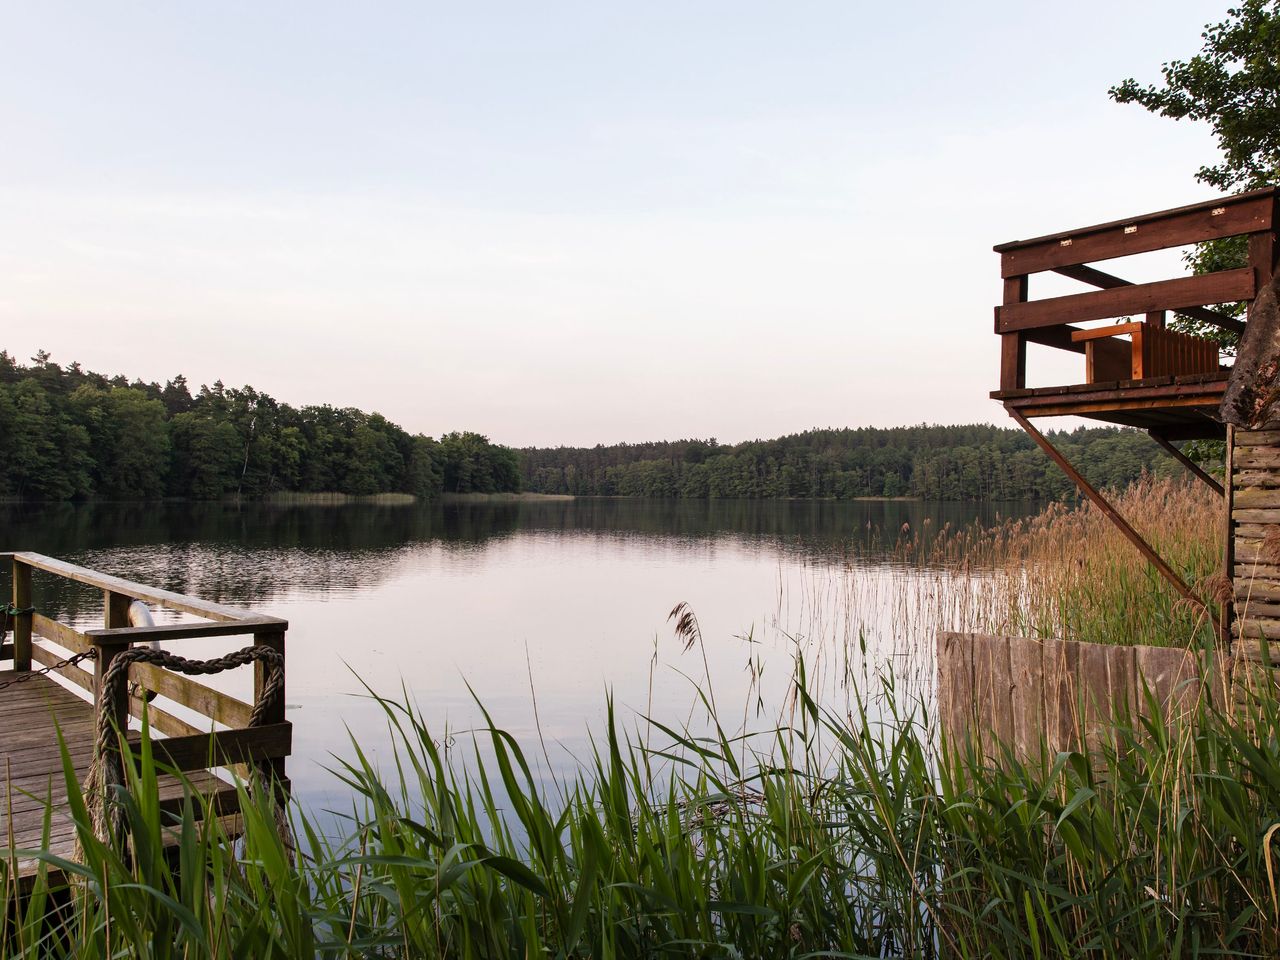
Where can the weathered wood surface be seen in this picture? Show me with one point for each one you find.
(1243, 213)
(34, 711)
(199, 730)
(1121, 376)
(1225, 286)
(1022, 692)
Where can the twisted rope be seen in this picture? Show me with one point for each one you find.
(114, 686)
(106, 772)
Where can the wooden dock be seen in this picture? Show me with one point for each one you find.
(201, 736)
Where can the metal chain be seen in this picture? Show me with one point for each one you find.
(26, 675)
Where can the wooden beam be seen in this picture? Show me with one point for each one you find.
(1059, 337)
(1208, 430)
(139, 591)
(1225, 217)
(1106, 281)
(183, 631)
(226, 747)
(1225, 286)
(1187, 462)
(1102, 504)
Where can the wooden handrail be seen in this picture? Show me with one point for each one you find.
(219, 707)
(182, 631)
(140, 591)
(1226, 286)
(1243, 213)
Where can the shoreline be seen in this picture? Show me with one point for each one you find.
(505, 497)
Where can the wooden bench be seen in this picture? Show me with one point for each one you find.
(1151, 351)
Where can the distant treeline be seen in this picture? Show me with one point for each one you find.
(68, 433)
(976, 462)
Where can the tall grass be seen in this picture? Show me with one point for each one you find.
(1068, 572)
(839, 836)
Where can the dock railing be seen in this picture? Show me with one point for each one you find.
(1051, 321)
(227, 739)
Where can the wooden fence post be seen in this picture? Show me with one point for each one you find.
(21, 621)
(274, 769)
(115, 613)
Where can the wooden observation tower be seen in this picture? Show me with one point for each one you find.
(1138, 373)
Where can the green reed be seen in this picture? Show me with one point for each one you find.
(837, 836)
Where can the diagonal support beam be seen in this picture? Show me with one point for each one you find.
(1187, 462)
(1121, 523)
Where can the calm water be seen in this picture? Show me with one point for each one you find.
(548, 604)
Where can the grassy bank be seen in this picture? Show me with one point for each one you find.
(838, 837)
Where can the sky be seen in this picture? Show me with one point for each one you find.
(569, 223)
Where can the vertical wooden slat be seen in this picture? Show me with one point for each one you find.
(1151, 676)
(943, 684)
(21, 621)
(955, 671)
(1119, 691)
(992, 688)
(1062, 722)
(1026, 666)
(1091, 692)
(1141, 358)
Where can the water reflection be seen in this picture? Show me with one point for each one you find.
(568, 598)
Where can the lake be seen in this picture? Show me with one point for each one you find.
(542, 608)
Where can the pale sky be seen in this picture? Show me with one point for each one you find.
(567, 223)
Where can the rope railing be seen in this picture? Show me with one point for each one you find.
(106, 775)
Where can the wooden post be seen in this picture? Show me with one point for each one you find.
(1264, 251)
(115, 613)
(21, 621)
(274, 769)
(1013, 346)
(115, 609)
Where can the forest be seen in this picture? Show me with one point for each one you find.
(67, 433)
(974, 462)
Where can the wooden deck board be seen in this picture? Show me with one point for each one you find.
(34, 712)
(1187, 403)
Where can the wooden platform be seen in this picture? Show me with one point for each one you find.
(199, 732)
(1184, 407)
(35, 711)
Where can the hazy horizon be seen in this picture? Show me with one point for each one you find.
(567, 225)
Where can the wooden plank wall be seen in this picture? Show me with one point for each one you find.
(1021, 691)
(1255, 537)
